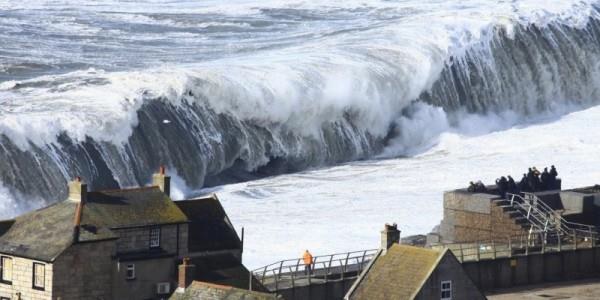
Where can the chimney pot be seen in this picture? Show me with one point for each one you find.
(162, 181)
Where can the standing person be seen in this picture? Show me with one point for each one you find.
(512, 185)
(308, 260)
(546, 180)
(553, 176)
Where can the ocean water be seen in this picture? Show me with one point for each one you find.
(371, 108)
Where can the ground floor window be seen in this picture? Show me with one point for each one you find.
(4, 298)
(6, 268)
(446, 290)
(130, 272)
(39, 276)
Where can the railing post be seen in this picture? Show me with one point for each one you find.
(262, 280)
(280, 267)
(462, 255)
(575, 238)
(360, 266)
(293, 277)
(559, 242)
(527, 244)
(250, 280)
(494, 247)
(544, 242)
(478, 254)
(509, 247)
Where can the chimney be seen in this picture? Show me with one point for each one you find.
(187, 272)
(77, 221)
(389, 235)
(77, 190)
(162, 181)
(78, 194)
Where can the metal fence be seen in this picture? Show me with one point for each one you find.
(533, 242)
(293, 272)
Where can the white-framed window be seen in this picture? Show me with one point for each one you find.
(155, 237)
(6, 269)
(130, 272)
(39, 276)
(446, 290)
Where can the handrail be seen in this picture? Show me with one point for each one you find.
(541, 215)
(322, 267)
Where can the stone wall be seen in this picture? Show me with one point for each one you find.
(138, 239)
(22, 281)
(148, 274)
(84, 271)
(470, 217)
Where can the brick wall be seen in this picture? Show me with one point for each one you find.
(22, 281)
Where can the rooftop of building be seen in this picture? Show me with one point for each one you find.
(45, 233)
(211, 291)
(398, 274)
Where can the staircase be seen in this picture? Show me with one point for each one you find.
(535, 216)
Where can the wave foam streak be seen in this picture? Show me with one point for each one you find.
(388, 85)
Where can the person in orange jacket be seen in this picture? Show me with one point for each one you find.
(308, 260)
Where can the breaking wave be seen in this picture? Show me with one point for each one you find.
(385, 90)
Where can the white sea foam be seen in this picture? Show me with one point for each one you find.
(320, 77)
(342, 208)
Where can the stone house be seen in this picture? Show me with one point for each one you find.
(116, 244)
(189, 289)
(407, 272)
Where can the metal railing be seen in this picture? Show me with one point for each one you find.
(293, 272)
(525, 244)
(547, 220)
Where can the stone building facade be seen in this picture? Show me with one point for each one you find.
(118, 244)
(471, 217)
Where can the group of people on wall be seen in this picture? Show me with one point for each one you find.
(532, 181)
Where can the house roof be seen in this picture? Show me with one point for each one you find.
(45, 233)
(210, 291)
(42, 234)
(399, 274)
(131, 208)
(209, 227)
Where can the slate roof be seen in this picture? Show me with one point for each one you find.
(208, 291)
(130, 208)
(45, 233)
(42, 234)
(399, 274)
(209, 227)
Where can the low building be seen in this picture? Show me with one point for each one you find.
(117, 244)
(408, 272)
(189, 289)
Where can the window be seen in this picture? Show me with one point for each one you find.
(4, 298)
(155, 237)
(6, 268)
(39, 276)
(130, 273)
(446, 290)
